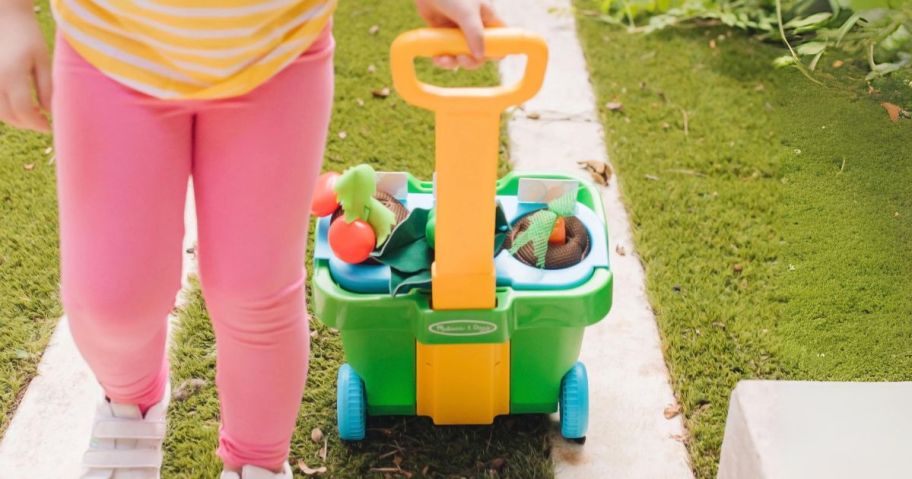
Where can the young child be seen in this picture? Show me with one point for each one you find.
(148, 93)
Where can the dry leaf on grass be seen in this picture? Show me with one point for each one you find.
(381, 93)
(892, 110)
(838, 64)
(188, 388)
(48, 150)
(311, 471)
(371, 69)
(343, 135)
(614, 106)
(373, 29)
(672, 410)
(28, 166)
(359, 102)
(316, 435)
(324, 450)
(737, 268)
(599, 170)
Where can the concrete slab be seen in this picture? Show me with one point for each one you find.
(629, 436)
(50, 429)
(799, 429)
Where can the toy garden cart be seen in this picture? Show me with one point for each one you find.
(488, 334)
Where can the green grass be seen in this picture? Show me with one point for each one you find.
(776, 231)
(29, 303)
(391, 136)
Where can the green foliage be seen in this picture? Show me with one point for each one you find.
(880, 31)
(775, 229)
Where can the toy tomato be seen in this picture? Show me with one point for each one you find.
(324, 199)
(559, 233)
(352, 242)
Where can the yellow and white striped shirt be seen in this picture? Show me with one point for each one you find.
(191, 49)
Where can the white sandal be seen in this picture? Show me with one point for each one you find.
(253, 472)
(125, 444)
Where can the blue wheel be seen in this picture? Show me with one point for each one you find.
(351, 405)
(574, 403)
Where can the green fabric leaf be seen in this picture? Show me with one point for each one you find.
(565, 205)
(539, 230)
(407, 248)
(399, 281)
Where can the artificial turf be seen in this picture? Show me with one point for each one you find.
(773, 215)
(391, 136)
(29, 303)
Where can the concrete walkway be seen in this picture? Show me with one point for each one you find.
(51, 427)
(629, 436)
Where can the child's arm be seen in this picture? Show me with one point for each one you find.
(471, 16)
(24, 65)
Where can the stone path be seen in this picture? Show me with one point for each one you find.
(629, 436)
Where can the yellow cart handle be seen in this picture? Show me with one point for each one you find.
(429, 42)
(466, 146)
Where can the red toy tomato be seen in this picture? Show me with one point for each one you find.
(351, 242)
(324, 199)
(559, 233)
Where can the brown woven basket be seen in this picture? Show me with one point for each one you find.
(559, 256)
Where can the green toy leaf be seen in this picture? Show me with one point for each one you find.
(407, 249)
(540, 225)
(400, 281)
(565, 205)
(381, 219)
(355, 190)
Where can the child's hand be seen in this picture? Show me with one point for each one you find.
(24, 64)
(471, 16)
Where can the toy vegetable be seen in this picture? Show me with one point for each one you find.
(551, 237)
(365, 223)
(324, 200)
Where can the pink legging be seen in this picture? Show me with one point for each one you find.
(124, 160)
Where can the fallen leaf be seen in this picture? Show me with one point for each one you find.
(871, 90)
(381, 93)
(314, 334)
(892, 110)
(371, 69)
(712, 44)
(307, 470)
(48, 150)
(759, 87)
(533, 115)
(188, 388)
(672, 410)
(620, 250)
(384, 469)
(614, 106)
(838, 64)
(651, 177)
(737, 268)
(324, 449)
(665, 125)
(28, 166)
(342, 135)
(316, 435)
(424, 470)
(359, 102)
(598, 170)
(373, 29)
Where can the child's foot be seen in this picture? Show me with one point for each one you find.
(125, 444)
(253, 472)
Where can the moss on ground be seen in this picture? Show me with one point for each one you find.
(29, 303)
(391, 136)
(773, 215)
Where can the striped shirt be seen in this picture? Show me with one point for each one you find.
(191, 49)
